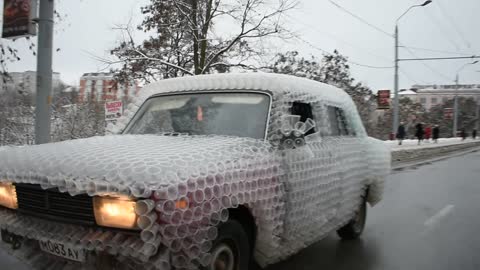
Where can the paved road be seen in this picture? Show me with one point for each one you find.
(428, 220)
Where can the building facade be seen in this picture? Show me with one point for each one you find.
(27, 81)
(432, 95)
(102, 87)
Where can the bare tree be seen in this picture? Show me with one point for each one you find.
(186, 37)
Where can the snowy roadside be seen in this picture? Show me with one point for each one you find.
(410, 152)
(413, 144)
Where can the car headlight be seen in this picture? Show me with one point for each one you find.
(8, 195)
(115, 212)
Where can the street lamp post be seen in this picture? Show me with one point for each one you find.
(455, 100)
(395, 89)
(44, 72)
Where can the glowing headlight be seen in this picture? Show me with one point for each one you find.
(115, 212)
(8, 195)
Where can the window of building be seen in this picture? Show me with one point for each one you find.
(434, 100)
(423, 100)
(444, 99)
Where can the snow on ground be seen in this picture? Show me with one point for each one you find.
(413, 144)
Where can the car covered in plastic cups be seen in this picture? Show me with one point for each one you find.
(203, 172)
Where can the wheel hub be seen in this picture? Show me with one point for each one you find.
(222, 258)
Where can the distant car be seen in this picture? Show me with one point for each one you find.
(207, 172)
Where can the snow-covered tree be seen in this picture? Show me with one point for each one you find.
(466, 115)
(331, 69)
(72, 120)
(16, 118)
(185, 37)
(410, 114)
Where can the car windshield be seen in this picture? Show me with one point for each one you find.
(235, 114)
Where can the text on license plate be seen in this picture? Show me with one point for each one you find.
(63, 250)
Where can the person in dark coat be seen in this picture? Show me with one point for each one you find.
(435, 133)
(419, 132)
(474, 133)
(401, 133)
(463, 134)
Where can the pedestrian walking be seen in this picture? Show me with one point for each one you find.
(401, 133)
(435, 133)
(419, 132)
(428, 133)
(474, 133)
(463, 134)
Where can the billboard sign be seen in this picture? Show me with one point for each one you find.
(113, 111)
(448, 113)
(383, 99)
(17, 18)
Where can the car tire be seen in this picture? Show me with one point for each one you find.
(231, 248)
(355, 227)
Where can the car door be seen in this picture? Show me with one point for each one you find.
(350, 162)
(312, 181)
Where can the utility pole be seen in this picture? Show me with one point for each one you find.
(455, 100)
(395, 88)
(477, 114)
(455, 109)
(44, 72)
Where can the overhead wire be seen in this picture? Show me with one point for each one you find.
(443, 32)
(426, 65)
(386, 33)
(348, 60)
(334, 37)
(361, 19)
(452, 22)
(437, 51)
(410, 77)
(364, 21)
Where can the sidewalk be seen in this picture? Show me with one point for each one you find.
(413, 144)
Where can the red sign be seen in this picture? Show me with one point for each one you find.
(383, 99)
(17, 18)
(448, 113)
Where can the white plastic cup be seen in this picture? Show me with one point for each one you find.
(144, 207)
(165, 207)
(198, 196)
(208, 193)
(150, 233)
(146, 221)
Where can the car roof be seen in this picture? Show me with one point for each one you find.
(277, 84)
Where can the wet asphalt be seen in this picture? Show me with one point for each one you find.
(429, 219)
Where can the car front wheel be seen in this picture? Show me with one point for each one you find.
(231, 249)
(355, 227)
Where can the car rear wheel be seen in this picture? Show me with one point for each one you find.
(231, 249)
(355, 227)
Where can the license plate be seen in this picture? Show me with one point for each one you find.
(63, 250)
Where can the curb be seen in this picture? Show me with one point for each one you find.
(418, 162)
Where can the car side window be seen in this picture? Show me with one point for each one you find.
(339, 125)
(342, 122)
(333, 121)
(305, 112)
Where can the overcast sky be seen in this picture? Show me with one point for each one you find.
(444, 25)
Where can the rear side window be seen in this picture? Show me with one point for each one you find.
(338, 122)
